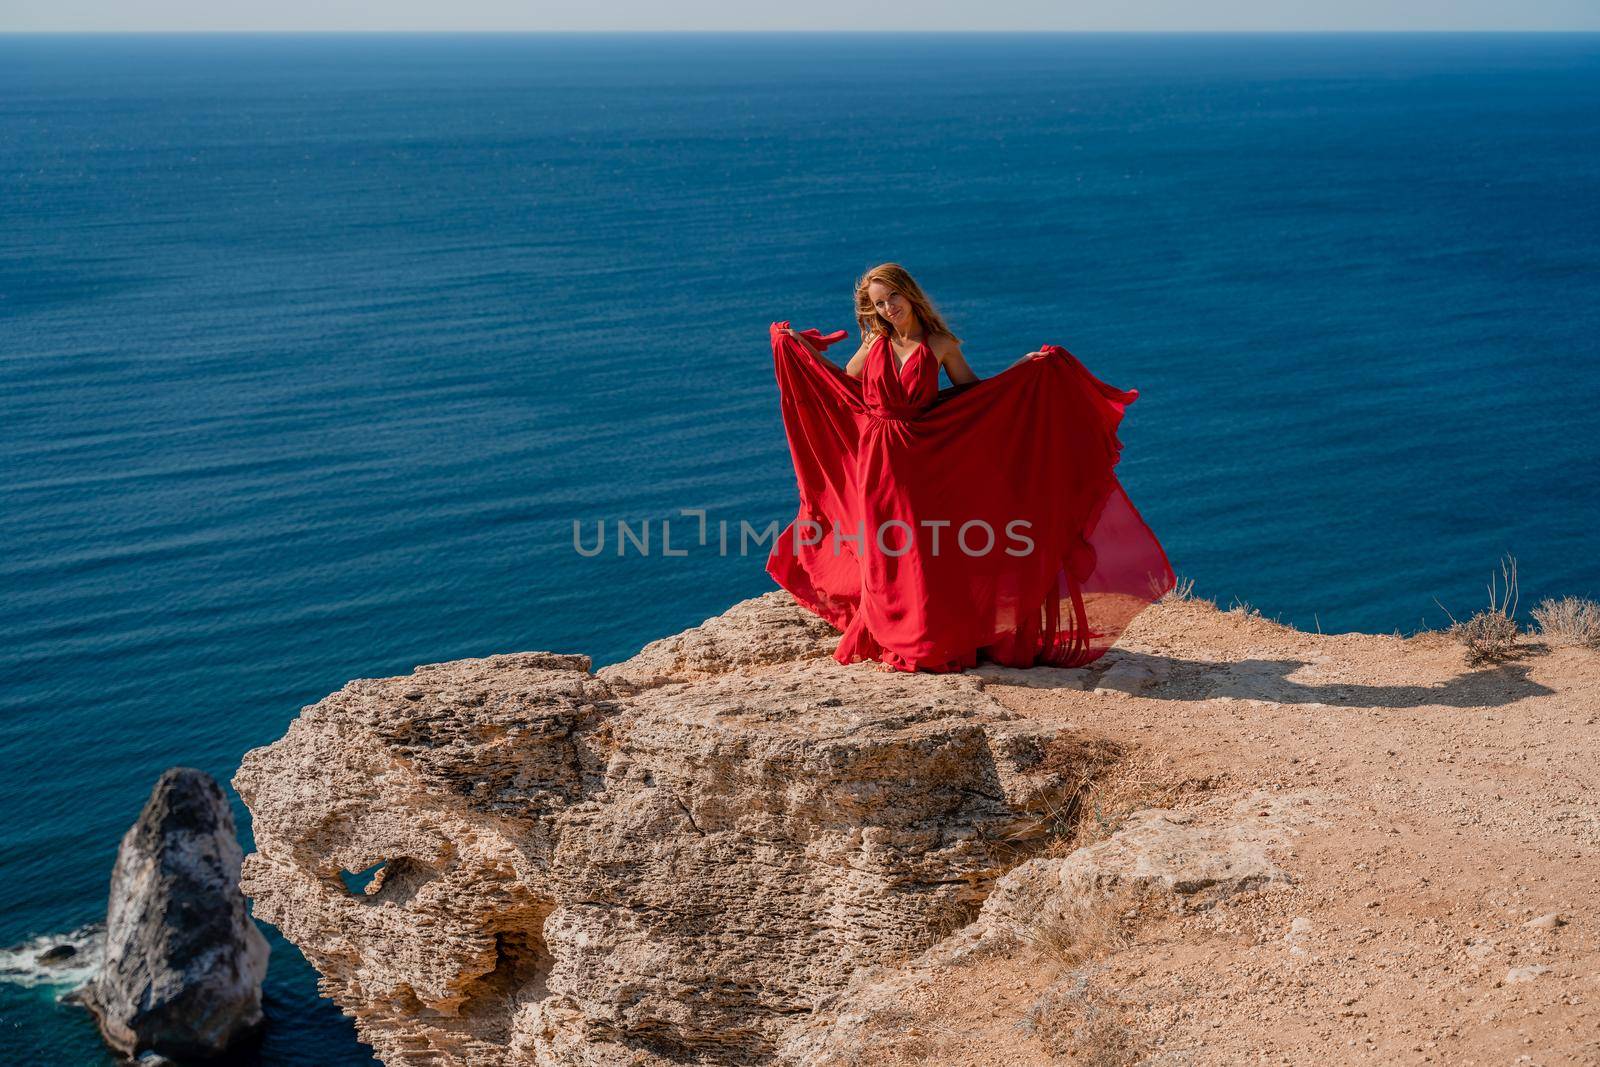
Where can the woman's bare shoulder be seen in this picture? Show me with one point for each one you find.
(943, 344)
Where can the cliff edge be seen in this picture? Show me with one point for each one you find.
(1225, 840)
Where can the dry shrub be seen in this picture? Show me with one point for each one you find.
(1103, 802)
(1082, 762)
(1182, 592)
(1106, 782)
(1087, 928)
(1245, 608)
(1490, 635)
(952, 914)
(1182, 589)
(1075, 1022)
(1570, 621)
(1078, 756)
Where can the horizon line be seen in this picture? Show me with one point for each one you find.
(524, 31)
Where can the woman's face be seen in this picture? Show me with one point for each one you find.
(892, 306)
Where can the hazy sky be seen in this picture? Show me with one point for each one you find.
(806, 15)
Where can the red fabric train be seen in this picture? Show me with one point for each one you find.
(982, 521)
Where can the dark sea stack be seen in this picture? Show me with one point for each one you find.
(183, 959)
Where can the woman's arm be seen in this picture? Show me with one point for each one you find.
(858, 362)
(948, 351)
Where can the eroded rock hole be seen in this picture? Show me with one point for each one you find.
(520, 958)
(359, 883)
(521, 964)
(389, 881)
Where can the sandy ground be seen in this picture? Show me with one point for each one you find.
(1441, 908)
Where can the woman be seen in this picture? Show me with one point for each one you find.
(940, 527)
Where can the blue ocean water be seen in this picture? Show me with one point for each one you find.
(313, 349)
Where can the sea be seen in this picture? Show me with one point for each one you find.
(316, 349)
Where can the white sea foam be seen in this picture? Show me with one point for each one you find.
(22, 965)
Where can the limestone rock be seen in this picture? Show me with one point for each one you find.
(759, 632)
(1176, 852)
(183, 961)
(1197, 856)
(1031, 678)
(1129, 674)
(669, 862)
(1201, 856)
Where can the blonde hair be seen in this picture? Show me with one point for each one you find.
(897, 278)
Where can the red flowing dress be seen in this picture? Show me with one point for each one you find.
(983, 521)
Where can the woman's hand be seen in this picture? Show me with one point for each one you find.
(1038, 354)
(815, 340)
(798, 337)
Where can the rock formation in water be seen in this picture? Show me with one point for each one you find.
(183, 961)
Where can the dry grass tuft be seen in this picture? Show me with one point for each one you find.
(1088, 928)
(1569, 621)
(953, 914)
(1183, 590)
(1490, 635)
(1245, 608)
(1074, 1021)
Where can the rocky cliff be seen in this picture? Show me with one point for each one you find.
(676, 858)
(1225, 839)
